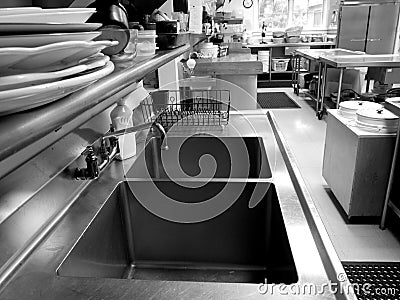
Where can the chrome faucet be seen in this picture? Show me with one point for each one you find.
(151, 125)
(107, 154)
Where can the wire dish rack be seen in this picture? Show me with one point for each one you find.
(187, 107)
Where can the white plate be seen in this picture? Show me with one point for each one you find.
(53, 57)
(24, 80)
(40, 17)
(25, 28)
(68, 9)
(18, 10)
(35, 40)
(34, 10)
(29, 97)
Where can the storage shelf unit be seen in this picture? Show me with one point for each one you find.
(278, 50)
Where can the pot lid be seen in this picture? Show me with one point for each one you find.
(377, 114)
(356, 105)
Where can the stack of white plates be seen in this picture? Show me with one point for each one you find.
(46, 54)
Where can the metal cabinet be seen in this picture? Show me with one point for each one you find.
(368, 26)
(382, 28)
(356, 166)
(352, 27)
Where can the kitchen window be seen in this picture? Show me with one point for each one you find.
(280, 14)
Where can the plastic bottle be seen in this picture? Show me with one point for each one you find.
(121, 118)
(263, 32)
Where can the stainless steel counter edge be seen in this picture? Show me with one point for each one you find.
(332, 263)
(21, 129)
(35, 277)
(275, 45)
(368, 60)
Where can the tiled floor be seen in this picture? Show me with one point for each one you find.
(305, 135)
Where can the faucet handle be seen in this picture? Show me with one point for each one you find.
(88, 149)
(92, 167)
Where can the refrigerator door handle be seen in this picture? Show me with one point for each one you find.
(357, 40)
(374, 40)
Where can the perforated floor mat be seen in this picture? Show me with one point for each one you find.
(374, 280)
(272, 100)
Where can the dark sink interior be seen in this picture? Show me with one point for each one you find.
(203, 157)
(241, 245)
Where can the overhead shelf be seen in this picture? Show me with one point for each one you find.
(22, 129)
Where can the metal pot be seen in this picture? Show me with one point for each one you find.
(115, 25)
(348, 109)
(379, 120)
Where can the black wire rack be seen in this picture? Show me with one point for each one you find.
(187, 107)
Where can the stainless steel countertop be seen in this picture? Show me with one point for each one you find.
(274, 45)
(35, 278)
(315, 54)
(229, 65)
(366, 60)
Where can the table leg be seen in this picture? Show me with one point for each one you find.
(294, 70)
(367, 86)
(319, 84)
(297, 72)
(320, 112)
(340, 87)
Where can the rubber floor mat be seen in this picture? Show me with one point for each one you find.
(374, 280)
(270, 100)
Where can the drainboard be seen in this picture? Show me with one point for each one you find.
(240, 244)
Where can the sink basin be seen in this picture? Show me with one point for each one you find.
(203, 157)
(241, 244)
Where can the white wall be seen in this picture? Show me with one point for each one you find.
(250, 15)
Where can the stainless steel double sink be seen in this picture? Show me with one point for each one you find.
(246, 242)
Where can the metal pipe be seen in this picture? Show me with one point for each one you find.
(127, 130)
(319, 84)
(140, 127)
(339, 94)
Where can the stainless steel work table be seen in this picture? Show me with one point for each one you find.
(342, 62)
(242, 84)
(314, 55)
(275, 45)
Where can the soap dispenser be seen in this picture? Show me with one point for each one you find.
(121, 118)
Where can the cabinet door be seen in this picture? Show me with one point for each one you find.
(353, 27)
(382, 28)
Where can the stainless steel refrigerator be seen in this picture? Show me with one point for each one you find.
(368, 26)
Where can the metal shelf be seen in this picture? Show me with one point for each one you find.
(28, 127)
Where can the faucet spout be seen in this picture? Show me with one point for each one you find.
(161, 129)
(151, 125)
